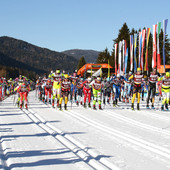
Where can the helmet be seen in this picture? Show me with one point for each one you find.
(130, 72)
(167, 74)
(58, 71)
(66, 76)
(154, 69)
(89, 79)
(138, 69)
(108, 79)
(98, 79)
(118, 75)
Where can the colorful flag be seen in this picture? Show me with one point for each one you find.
(123, 57)
(131, 52)
(143, 44)
(158, 52)
(140, 47)
(120, 57)
(126, 59)
(146, 54)
(154, 46)
(165, 23)
(115, 59)
(135, 45)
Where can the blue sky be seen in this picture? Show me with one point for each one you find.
(77, 24)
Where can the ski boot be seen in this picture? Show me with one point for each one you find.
(89, 105)
(127, 100)
(123, 100)
(138, 108)
(104, 101)
(53, 103)
(20, 106)
(132, 106)
(49, 101)
(114, 103)
(65, 106)
(94, 107)
(162, 108)
(100, 107)
(153, 107)
(58, 104)
(60, 107)
(77, 103)
(81, 103)
(166, 106)
(85, 105)
(147, 106)
(26, 107)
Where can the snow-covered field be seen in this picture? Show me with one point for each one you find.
(114, 138)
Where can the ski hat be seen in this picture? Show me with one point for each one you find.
(108, 79)
(98, 79)
(167, 74)
(89, 79)
(58, 71)
(118, 75)
(138, 69)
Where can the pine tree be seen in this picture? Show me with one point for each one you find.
(81, 63)
(103, 57)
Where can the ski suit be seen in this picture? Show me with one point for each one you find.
(87, 91)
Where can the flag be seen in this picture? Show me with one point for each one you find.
(158, 52)
(124, 55)
(154, 46)
(146, 54)
(126, 59)
(165, 23)
(123, 58)
(131, 52)
(115, 59)
(135, 45)
(140, 47)
(143, 44)
(108, 69)
(120, 57)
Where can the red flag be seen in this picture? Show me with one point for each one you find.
(154, 46)
(115, 59)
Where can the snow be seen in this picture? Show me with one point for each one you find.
(114, 138)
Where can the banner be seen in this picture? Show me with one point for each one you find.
(154, 46)
(123, 56)
(126, 60)
(120, 57)
(143, 44)
(108, 69)
(165, 23)
(140, 47)
(131, 52)
(135, 45)
(115, 59)
(158, 52)
(146, 54)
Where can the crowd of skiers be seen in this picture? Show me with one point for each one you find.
(57, 86)
(20, 85)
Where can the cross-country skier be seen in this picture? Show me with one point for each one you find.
(138, 79)
(165, 90)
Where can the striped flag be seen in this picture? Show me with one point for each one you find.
(120, 57)
(126, 60)
(135, 45)
(143, 44)
(154, 46)
(123, 58)
(131, 52)
(140, 47)
(115, 59)
(165, 23)
(146, 54)
(158, 52)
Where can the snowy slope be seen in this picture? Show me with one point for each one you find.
(79, 138)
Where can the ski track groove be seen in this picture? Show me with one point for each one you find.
(134, 140)
(136, 123)
(87, 155)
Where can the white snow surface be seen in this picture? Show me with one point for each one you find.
(113, 138)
